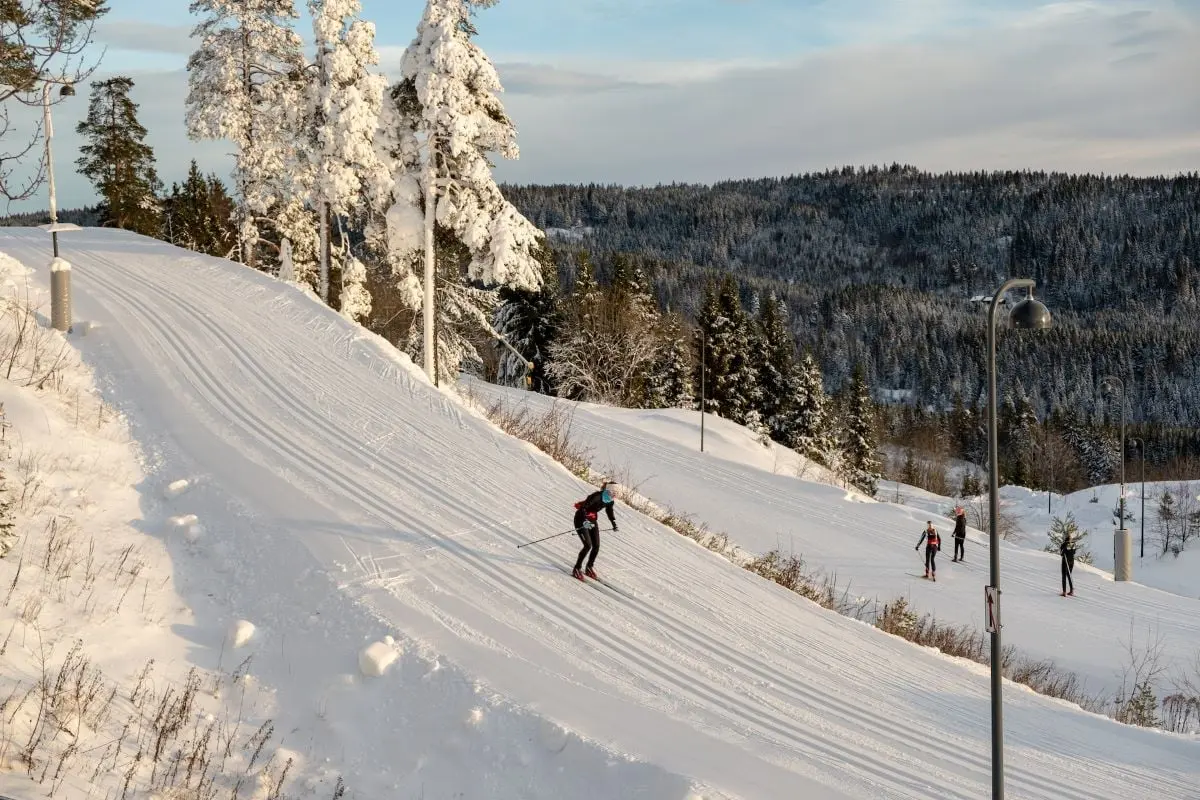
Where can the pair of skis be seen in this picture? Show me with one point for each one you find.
(601, 582)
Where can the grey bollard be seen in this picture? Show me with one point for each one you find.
(1122, 555)
(60, 294)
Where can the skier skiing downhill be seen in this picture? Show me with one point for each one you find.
(960, 533)
(586, 513)
(1067, 550)
(933, 543)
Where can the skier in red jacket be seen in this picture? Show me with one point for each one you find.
(586, 513)
(933, 543)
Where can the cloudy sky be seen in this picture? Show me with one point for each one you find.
(653, 91)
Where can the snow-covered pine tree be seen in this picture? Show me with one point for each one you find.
(731, 381)
(630, 291)
(245, 85)
(445, 119)
(117, 160)
(345, 100)
(669, 384)
(631, 324)
(582, 359)
(777, 374)
(860, 464)
(812, 434)
(530, 322)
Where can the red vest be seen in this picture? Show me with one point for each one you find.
(932, 538)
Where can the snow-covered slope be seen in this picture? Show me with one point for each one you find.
(870, 545)
(347, 500)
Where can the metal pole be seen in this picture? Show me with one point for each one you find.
(1121, 383)
(703, 340)
(48, 125)
(994, 539)
(1142, 449)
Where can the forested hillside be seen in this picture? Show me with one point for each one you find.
(880, 265)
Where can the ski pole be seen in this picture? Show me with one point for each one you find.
(555, 536)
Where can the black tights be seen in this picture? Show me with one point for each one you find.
(959, 550)
(930, 555)
(1067, 568)
(589, 534)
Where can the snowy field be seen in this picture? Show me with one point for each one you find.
(355, 516)
(753, 494)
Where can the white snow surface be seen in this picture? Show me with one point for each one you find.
(345, 500)
(752, 494)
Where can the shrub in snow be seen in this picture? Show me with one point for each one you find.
(176, 488)
(375, 658)
(8, 536)
(241, 632)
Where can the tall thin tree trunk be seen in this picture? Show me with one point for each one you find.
(325, 252)
(429, 312)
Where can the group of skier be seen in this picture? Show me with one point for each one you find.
(933, 543)
(587, 514)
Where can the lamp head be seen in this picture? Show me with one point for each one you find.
(1030, 314)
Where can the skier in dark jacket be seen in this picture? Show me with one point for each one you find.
(1067, 551)
(933, 543)
(960, 533)
(586, 513)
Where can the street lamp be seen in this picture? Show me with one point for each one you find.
(1120, 383)
(703, 342)
(1142, 450)
(1121, 543)
(1028, 314)
(60, 271)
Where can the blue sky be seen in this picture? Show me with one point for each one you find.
(649, 91)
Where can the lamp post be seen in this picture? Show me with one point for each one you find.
(1029, 314)
(1120, 383)
(1122, 556)
(1142, 450)
(703, 342)
(60, 271)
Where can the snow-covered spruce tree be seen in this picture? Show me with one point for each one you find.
(669, 384)
(731, 381)
(812, 433)
(117, 160)
(777, 374)
(245, 84)
(529, 321)
(860, 462)
(343, 116)
(445, 118)
(583, 360)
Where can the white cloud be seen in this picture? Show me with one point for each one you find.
(1078, 88)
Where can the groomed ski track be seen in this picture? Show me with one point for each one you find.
(869, 546)
(336, 450)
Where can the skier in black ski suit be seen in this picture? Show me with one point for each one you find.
(586, 513)
(933, 543)
(960, 534)
(1067, 551)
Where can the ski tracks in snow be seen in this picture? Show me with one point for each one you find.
(428, 490)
